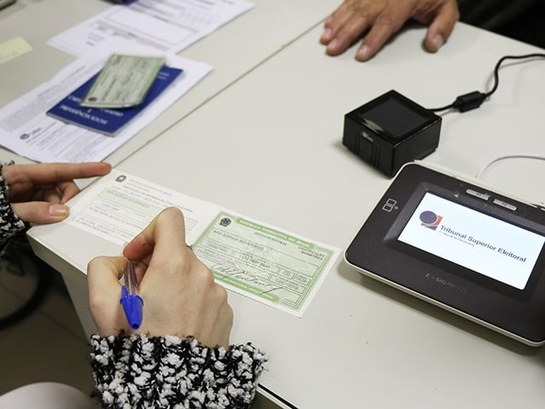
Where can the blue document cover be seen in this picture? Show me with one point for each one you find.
(108, 121)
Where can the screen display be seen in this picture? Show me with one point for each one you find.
(474, 240)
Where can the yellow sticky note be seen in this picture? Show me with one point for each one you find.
(13, 48)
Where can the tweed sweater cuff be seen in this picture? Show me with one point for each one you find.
(136, 371)
(10, 223)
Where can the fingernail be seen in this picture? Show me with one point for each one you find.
(326, 36)
(58, 210)
(436, 43)
(363, 53)
(332, 46)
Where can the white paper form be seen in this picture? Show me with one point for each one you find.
(166, 25)
(264, 263)
(26, 129)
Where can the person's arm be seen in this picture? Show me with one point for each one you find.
(378, 20)
(10, 223)
(491, 14)
(36, 194)
(136, 370)
(181, 352)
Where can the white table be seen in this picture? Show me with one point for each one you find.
(269, 147)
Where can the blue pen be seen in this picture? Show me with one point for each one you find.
(132, 303)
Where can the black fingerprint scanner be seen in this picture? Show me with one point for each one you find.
(390, 131)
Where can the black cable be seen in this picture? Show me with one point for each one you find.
(474, 99)
(21, 256)
(30, 304)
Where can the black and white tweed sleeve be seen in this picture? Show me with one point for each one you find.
(10, 223)
(136, 371)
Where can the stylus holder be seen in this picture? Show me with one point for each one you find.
(390, 131)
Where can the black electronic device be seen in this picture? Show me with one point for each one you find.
(459, 245)
(390, 131)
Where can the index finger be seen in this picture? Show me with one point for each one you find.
(46, 173)
(164, 236)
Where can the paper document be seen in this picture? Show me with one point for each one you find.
(26, 129)
(165, 25)
(262, 262)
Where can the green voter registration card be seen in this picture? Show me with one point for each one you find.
(124, 81)
(272, 266)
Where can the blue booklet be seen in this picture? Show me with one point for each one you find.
(108, 121)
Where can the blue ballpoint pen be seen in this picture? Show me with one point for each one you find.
(132, 303)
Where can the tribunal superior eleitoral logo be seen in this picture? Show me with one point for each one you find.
(430, 219)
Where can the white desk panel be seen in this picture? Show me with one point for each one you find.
(232, 50)
(269, 147)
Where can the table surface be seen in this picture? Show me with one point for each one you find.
(269, 147)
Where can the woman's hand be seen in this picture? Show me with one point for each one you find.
(179, 292)
(38, 192)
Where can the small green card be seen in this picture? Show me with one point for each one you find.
(124, 81)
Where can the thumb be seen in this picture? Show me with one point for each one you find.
(103, 274)
(41, 212)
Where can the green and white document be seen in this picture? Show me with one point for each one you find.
(264, 263)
